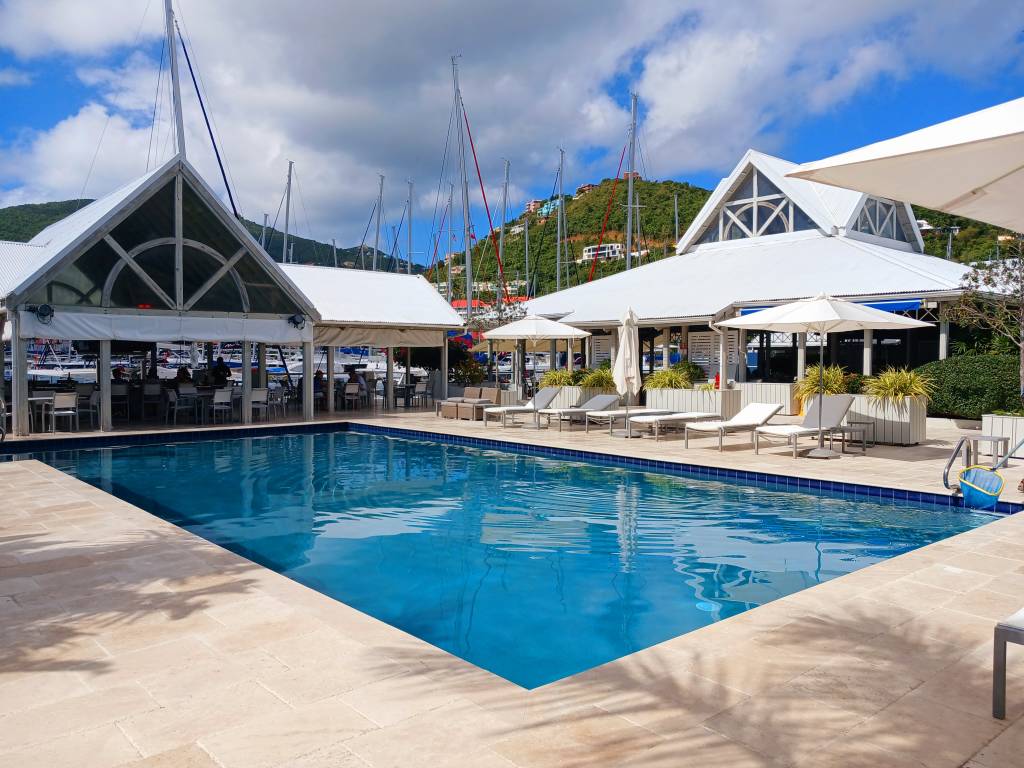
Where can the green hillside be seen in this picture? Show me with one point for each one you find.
(23, 222)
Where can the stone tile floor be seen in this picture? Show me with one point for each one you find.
(127, 641)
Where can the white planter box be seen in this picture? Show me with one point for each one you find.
(757, 392)
(570, 397)
(725, 402)
(903, 424)
(1002, 426)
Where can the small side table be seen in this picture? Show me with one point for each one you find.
(853, 430)
(1000, 448)
(867, 424)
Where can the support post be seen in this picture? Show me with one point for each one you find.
(103, 379)
(19, 378)
(801, 356)
(615, 345)
(389, 381)
(553, 355)
(570, 362)
(666, 348)
(833, 348)
(741, 353)
(329, 394)
(261, 365)
(868, 343)
(444, 369)
(307, 381)
(246, 382)
(723, 359)
(943, 339)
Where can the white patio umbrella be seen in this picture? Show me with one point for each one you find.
(822, 315)
(970, 166)
(626, 370)
(534, 328)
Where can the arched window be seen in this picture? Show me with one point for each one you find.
(757, 208)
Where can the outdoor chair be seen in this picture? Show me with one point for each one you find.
(537, 403)
(664, 422)
(448, 408)
(579, 412)
(91, 407)
(152, 397)
(222, 404)
(472, 408)
(276, 401)
(352, 398)
(419, 393)
(1009, 630)
(260, 402)
(610, 417)
(178, 404)
(833, 412)
(119, 399)
(65, 406)
(84, 391)
(748, 419)
(42, 401)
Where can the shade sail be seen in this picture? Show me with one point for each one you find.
(626, 370)
(535, 328)
(822, 314)
(970, 166)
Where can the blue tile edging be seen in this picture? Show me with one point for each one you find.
(786, 482)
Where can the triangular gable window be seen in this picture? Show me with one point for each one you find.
(883, 218)
(757, 208)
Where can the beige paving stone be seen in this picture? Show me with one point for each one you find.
(845, 752)
(983, 563)
(273, 739)
(987, 604)
(950, 577)
(854, 683)
(313, 682)
(97, 748)
(36, 690)
(159, 629)
(752, 667)
(135, 665)
(698, 748)
(1005, 751)
(333, 756)
(207, 674)
(188, 756)
(394, 699)
(913, 594)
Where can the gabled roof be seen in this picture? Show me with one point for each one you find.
(830, 208)
(378, 299)
(698, 284)
(16, 261)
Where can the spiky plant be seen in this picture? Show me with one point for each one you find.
(559, 377)
(671, 378)
(894, 384)
(598, 378)
(830, 382)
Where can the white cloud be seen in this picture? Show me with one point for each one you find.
(349, 90)
(9, 76)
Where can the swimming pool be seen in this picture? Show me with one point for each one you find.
(534, 568)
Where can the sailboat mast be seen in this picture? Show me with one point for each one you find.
(629, 183)
(179, 123)
(468, 232)
(526, 252)
(263, 232)
(287, 212)
(376, 237)
(408, 256)
(451, 235)
(558, 222)
(501, 232)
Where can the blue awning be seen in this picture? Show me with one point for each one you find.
(893, 305)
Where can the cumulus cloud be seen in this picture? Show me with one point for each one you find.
(9, 76)
(349, 90)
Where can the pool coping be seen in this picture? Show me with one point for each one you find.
(703, 471)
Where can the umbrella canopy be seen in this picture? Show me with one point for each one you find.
(626, 370)
(535, 328)
(970, 166)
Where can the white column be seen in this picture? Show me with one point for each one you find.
(246, 382)
(103, 379)
(389, 380)
(570, 354)
(307, 381)
(329, 394)
(943, 339)
(666, 348)
(261, 365)
(868, 341)
(801, 356)
(741, 353)
(552, 355)
(615, 345)
(444, 369)
(723, 358)
(19, 379)
(588, 352)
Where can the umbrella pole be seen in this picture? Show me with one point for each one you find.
(821, 452)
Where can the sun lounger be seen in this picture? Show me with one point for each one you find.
(748, 419)
(610, 417)
(659, 422)
(833, 412)
(1009, 630)
(596, 403)
(542, 399)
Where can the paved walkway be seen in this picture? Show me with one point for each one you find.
(127, 641)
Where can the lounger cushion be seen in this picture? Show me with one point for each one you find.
(787, 430)
(477, 400)
(652, 418)
(1014, 622)
(455, 400)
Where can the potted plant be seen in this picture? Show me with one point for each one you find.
(673, 389)
(577, 386)
(896, 402)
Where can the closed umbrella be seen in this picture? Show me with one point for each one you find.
(970, 166)
(626, 370)
(822, 315)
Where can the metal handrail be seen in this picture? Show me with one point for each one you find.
(960, 444)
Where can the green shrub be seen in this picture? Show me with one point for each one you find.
(966, 386)
(599, 378)
(691, 371)
(468, 372)
(833, 380)
(560, 377)
(894, 384)
(668, 379)
(854, 383)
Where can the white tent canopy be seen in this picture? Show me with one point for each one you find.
(381, 309)
(535, 328)
(970, 166)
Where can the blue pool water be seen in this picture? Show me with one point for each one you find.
(533, 568)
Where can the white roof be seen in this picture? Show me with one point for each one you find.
(379, 299)
(534, 328)
(970, 166)
(770, 269)
(17, 261)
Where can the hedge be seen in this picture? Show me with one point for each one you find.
(966, 386)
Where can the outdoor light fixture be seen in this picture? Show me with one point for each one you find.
(44, 313)
(299, 321)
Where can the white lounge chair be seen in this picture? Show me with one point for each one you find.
(657, 422)
(541, 400)
(610, 417)
(594, 404)
(748, 419)
(1010, 630)
(832, 414)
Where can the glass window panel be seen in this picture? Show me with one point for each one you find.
(264, 294)
(765, 187)
(80, 283)
(710, 234)
(159, 264)
(871, 207)
(863, 223)
(151, 220)
(201, 224)
(222, 297)
(131, 292)
(801, 221)
(198, 267)
(777, 226)
(746, 188)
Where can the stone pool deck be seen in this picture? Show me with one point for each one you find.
(125, 640)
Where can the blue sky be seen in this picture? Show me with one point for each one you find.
(790, 77)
